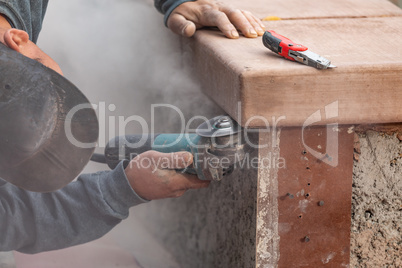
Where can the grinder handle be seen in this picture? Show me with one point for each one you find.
(129, 146)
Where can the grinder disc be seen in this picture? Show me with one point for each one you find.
(218, 126)
(48, 129)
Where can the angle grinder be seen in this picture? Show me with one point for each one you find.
(216, 147)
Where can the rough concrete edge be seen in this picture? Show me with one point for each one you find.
(363, 132)
(267, 234)
(388, 129)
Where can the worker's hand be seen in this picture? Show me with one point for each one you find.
(152, 175)
(189, 16)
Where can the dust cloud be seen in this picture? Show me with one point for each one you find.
(121, 56)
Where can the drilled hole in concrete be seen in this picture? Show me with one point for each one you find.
(290, 195)
(368, 214)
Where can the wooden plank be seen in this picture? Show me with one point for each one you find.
(248, 80)
(299, 9)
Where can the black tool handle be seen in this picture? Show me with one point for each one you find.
(272, 42)
(127, 147)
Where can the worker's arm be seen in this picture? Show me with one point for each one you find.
(185, 16)
(80, 212)
(88, 208)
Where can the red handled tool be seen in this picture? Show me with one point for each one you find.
(294, 52)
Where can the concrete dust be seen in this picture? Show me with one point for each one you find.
(120, 53)
(377, 205)
(7, 260)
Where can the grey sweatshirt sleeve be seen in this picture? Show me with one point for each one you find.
(167, 6)
(25, 15)
(82, 211)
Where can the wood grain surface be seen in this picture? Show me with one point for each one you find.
(309, 9)
(255, 86)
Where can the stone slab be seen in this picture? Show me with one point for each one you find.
(313, 9)
(314, 196)
(254, 85)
